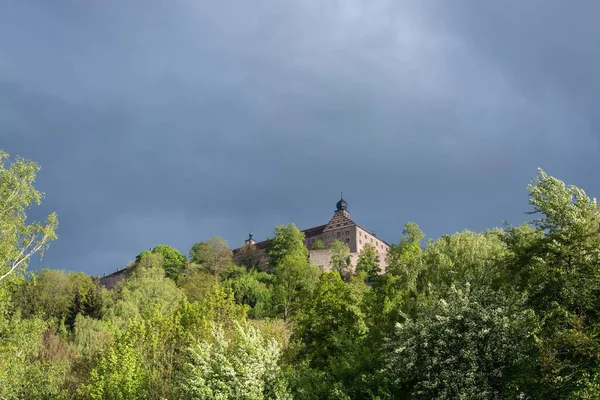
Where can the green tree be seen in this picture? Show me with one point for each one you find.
(331, 321)
(174, 262)
(147, 259)
(144, 292)
(91, 336)
(59, 296)
(318, 245)
(245, 367)
(328, 338)
(196, 284)
(19, 240)
(254, 288)
(340, 259)
(405, 258)
(49, 294)
(463, 257)
(217, 307)
(26, 370)
(119, 374)
(87, 298)
(368, 263)
(295, 278)
(288, 240)
(555, 259)
(470, 345)
(214, 255)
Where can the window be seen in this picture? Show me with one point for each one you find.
(312, 240)
(338, 234)
(360, 242)
(347, 232)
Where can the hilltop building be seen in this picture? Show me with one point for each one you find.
(341, 228)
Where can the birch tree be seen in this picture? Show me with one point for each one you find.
(18, 239)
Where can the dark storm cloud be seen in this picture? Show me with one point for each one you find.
(168, 122)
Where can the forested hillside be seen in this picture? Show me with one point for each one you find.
(509, 313)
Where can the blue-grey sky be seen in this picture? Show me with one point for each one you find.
(172, 121)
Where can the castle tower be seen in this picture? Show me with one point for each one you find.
(250, 241)
(341, 216)
(342, 207)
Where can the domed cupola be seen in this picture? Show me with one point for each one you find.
(342, 205)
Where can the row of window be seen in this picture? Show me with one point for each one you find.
(377, 244)
(360, 234)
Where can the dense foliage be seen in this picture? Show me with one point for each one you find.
(507, 313)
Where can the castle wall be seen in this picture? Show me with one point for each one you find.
(353, 236)
(345, 234)
(322, 258)
(110, 281)
(363, 237)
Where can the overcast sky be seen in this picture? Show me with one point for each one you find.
(171, 121)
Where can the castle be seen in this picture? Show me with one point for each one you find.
(341, 228)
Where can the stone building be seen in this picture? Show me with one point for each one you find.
(341, 228)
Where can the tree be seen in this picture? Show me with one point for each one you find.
(463, 257)
(404, 259)
(340, 259)
(245, 367)
(119, 374)
(18, 240)
(142, 294)
(214, 255)
(562, 254)
(26, 370)
(318, 245)
(295, 279)
(470, 345)
(555, 259)
(331, 321)
(147, 259)
(87, 298)
(217, 308)
(196, 284)
(250, 257)
(368, 262)
(288, 240)
(254, 289)
(58, 296)
(174, 261)
(49, 294)
(328, 337)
